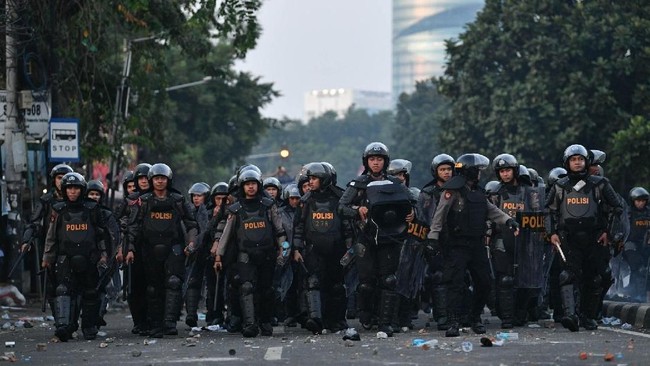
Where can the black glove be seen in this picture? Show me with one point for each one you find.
(432, 246)
(512, 225)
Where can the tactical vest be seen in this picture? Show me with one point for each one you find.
(513, 202)
(639, 224)
(579, 209)
(78, 241)
(323, 223)
(255, 230)
(468, 216)
(161, 224)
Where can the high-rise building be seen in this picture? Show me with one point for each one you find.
(420, 28)
(340, 100)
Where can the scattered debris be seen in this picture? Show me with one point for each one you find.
(489, 342)
(9, 356)
(382, 335)
(232, 352)
(351, 334)
(467, 346)
(103, 345)
(612, 320)
(626, 326)
(10, 344)
(375, 350)
(511, 336)
(136, 353)
(583, 355)
(609, 356)
(349, 343)
(41, 347)
(149, 341)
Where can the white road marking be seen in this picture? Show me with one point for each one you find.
(630, 332)
(205, 359)
(273, 354)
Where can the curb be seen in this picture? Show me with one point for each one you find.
(637, 314)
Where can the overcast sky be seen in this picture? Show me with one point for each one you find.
(315, 44)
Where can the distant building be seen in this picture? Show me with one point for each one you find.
(317, 102)
(420, 28)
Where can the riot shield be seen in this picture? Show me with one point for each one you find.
(412, 262)
(529, 250)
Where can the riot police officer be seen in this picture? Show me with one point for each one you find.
(255, 227)
(75, 247)
(39, 221)
(579, 205)
(273, 187)
(637, 247)
(96, 192)
(321, 237)
(216, 206)
(134, 284)
(462, 212)
(442, 169)
(158, 221)
(379, 243)
(198, 193)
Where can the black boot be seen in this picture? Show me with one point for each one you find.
(315, 318)
(250, 328)
(570, 319)
(192, 296)
(589, 308)
(506, 306)
(62, 309)
(439, 308)
(388, 308)
(173, 305)
(453, 330)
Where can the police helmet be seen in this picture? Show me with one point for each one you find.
(639, 193)
(302, 178)
(375, 149)
(291, 191)
(534, 176)
(504, 161)
(597, 157)
(399, 166)
(272, 182)
(438, 160)
(469, 165)
(524, 175)
(555, 174)
(332, 171)
(73, 180)
(221, 188)
(141, 170)
(492, 187)
(249, 176)
(60, 169)
(96, 185)
(321, 172)
(573, 150)
(246, 167)
(200, 188)
(158, 170)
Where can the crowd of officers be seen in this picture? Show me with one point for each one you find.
(314, 254)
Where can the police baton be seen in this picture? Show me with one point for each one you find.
(559, 249)
(216, 292)
(18, 261)
(489, 258)
(44, 302)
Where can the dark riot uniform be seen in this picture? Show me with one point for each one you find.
(578, 206)
(196, 269)
(637, 249)
(378, 263)
(320, 235)
(75, 243)
(462, 212)
(255, 228)
(158, 225)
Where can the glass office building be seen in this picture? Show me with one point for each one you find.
(420, 28)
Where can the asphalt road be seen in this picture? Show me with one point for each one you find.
(535, 346)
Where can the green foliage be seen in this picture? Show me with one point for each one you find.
(82, 45)
(416, 130)
(629, 155)
(532, 77)
(339, 141)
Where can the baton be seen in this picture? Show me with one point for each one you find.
(216, 293)
(44, 302)
(20, 259)
(489, 258)
(559, 249)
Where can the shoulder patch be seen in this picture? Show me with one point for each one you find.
(447, 195)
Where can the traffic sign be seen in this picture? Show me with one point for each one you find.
(36, 111)
(64, 139)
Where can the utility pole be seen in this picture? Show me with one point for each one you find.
(15, 146)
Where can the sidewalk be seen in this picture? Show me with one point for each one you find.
(637, 314)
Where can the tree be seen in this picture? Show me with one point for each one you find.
(416, 129)
(80, 43)
(339, 141)
(629, 155)
(530, 78)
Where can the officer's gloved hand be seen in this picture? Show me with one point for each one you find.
(512, 225)
(432, 246)
(103, 263)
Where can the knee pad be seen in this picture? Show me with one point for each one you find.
(389, 282)
(565, 278)
(506, 282)
(151, 291)
(313, 283)
(174, 282)
(246, 288)
(365, 289)
(436, 277)
(61, 290)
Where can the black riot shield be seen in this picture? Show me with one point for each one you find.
(412, 263)
(388, 205)
(529, 250)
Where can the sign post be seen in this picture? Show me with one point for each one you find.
(64, 140)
